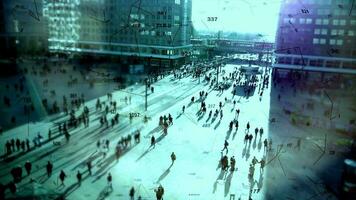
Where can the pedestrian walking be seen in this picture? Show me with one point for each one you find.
(62, 177)
(251, 171)
(132, 193)
(232, 163)
(250, 137)
(107, 142)
(246, 138)
(237, 125)
(254, 161)
(89, 167)
(49, 168)
(159, 192)
(109, 179)
(256, 131)
(226, 144)
(153, 141)
(265, 143)
(18, 143)
(49, 134)
(173, 157)
(28, 167)
(28, 144)
(79, 178)
(262, 162)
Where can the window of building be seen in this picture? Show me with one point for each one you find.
(341, 32)
(322, 41)
(317, 31)
(335, 22)
(302, 21)
(177, 2)
(325, 22)
(332, 41)
(333, 32)
(309, 21)
(353, 22)
(320, 11)
(339, 42)
(318, 21)
(344, 12)
(323, 11)
(342, 22)
(324, 31)
(351, 33)
(315, 40)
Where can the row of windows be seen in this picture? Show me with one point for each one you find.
(334, 32)
(317, 62)
(335, 22)
(333, 12)
(323, 2)
(124, 49)
(331, 41)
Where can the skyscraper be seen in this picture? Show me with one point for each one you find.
(22, 28)
(155, 30)
(317, 35)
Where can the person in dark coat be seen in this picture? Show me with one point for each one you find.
(109, 179)
(89, 167)
(173, 157)
(79, 177)
(132, 193)
(49, 168)
(28, 167)
(153, 141)
(18, 144)
(159, 192)
(62, 177)
(28, 144)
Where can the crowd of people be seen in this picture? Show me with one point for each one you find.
(108, 112)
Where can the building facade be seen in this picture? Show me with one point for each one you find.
(317, 35)
(155, 30)
(23, 29)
